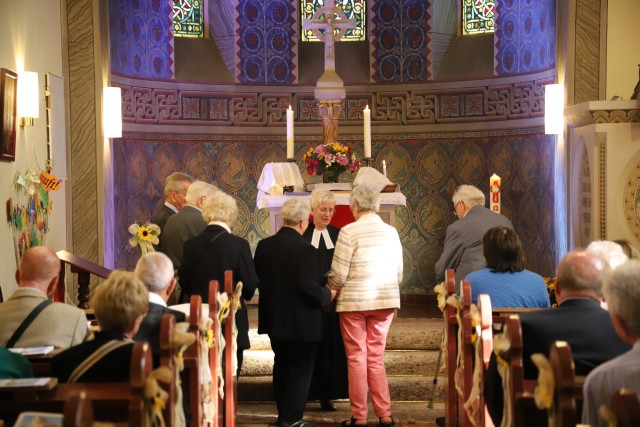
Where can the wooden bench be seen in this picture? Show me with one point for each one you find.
(567, 394)
(625, 406)
(451, 340)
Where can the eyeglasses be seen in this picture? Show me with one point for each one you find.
(455, 207)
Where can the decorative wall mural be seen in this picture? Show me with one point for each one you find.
(632, 201)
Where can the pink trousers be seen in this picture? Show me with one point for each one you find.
(365, 336)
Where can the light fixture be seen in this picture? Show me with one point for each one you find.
(553, 109)
(28, 107)
(112, 112)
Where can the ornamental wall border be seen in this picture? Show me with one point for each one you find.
(198, 106)
(599, 112)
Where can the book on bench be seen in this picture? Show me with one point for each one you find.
(33, 351)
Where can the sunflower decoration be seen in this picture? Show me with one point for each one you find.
(144, 236)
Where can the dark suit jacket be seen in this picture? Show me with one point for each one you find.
(463, 242)
(206, 260)
(325, 255)
(150, 328)
(114, 367)
(579, 321)
(179, 228)
(291, 296)
(160, 218)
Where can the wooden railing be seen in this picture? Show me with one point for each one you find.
(84, 269)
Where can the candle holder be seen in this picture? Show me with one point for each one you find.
(366, 161)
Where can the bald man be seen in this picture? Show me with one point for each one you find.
(57, 324)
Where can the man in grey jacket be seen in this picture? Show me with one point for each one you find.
(463, 240)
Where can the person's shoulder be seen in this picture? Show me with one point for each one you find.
(68, 308)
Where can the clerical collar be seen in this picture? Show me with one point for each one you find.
(315, 240)
(221, 224)
(170, 206)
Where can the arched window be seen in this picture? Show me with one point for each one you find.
(354, 9)
(188, 18)
(478, 16)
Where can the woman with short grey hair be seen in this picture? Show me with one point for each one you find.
(220, 207)
(366, 198)
(294, 211)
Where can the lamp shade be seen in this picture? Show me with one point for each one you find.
(28, 99)
(553, 109)
(112, 111)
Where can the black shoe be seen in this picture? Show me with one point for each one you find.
(299, 423)
(352, 423)
(441, 421)
(391, 424)
(327, 405)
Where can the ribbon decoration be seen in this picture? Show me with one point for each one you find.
(472, 405)
(156, 396)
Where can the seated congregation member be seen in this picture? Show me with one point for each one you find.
(629, 250)
(28, 318)
(367, 271)
(579, 320)
(120, 304)
(215, 250)
(156, 272)
(505, 279)
(330, 372)
(463, 239)
(13, 365)
(290, 309)
(622, 291)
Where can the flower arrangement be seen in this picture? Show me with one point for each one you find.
(144, 236)
(330, 160)
(551, 289)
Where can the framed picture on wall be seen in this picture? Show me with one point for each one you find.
(8, 119)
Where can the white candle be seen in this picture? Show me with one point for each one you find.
(494, 190)
(367, 132)
(289, 133)
(384, 168)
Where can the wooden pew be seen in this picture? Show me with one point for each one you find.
(465, 360)
(118, 402)
(230, 380)
(78, 411)
(450, 329)
(167, 328)
(192, 365)
(625, 406)
(568, 387)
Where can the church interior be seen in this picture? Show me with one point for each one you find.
(448, 107)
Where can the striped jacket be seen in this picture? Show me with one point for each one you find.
(367, 265)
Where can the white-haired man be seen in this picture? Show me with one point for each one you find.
(156, 272)
(463, 240)
(176, 186)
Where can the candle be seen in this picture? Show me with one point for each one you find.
(367, 132)
(384, 168)
(289, 133)
(494, 190)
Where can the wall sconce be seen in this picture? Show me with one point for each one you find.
(112, 112)
(28, 107)
(553, 109)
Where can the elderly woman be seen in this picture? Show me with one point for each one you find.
(215, 250)
(505, 278)
(367, 271)
(330, 371)
(120, 304)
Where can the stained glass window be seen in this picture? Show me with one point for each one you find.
(188, 18)
(354, 9)
(478, 16)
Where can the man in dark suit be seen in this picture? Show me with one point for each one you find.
(290, 309)
(463, 240)
(215, 250)
(175, 191)
(156, 272)
(579, 320)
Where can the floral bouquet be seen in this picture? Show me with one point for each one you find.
(330, 160)
(144, 236)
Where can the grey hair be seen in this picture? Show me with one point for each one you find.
(622, 292)
(609, 251)
(581, 271)
(155, 270)
(366, 198)
(294, 210)
(318, 197)
(220, 207)
(174, 182)
(470, 195)
(197, 190)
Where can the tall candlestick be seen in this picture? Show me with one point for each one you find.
(367, 132)
(494, 190)
(384, 168)
(289, 133)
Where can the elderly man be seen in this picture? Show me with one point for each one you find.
(187, 223)
(156, 272)
(463, 239)
(578, 319)
(214, 251)
(622, 293)
(175, 191)
(29, 318)
(290, 311)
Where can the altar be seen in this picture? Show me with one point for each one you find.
(342, 216)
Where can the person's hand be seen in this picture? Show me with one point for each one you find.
(334, 293)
